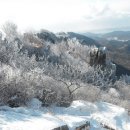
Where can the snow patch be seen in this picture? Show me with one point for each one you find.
(34, 104)
(35, 117)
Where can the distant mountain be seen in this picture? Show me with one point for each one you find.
(83, 39)
(45, 35)
(117, 40)
(121, 70)
(117, 35)
(118, 45)
(92, 35)
(48, 36)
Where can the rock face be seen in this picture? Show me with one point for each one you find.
(98, 56)
(64, 127)
(84, 126)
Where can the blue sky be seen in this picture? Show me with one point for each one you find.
(66, 15)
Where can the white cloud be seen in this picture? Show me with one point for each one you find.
(66, 15)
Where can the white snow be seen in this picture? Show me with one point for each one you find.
(103, 49)
(34, 103)
(2, 34)
(25, 119)
(47, 118)
(113, 92)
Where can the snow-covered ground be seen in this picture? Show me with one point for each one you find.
(35, 117)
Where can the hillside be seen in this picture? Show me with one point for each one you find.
(64, 65)
(63, 75)
(118, 45)
(83, 39)
(117, 48)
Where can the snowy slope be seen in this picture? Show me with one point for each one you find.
(38, 118)
(25, 119)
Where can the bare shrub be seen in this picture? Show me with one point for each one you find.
(88, 92)
(10, 30)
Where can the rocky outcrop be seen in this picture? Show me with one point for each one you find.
(98, 56)
(85, 126)
(64, 127)
(107, 127)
